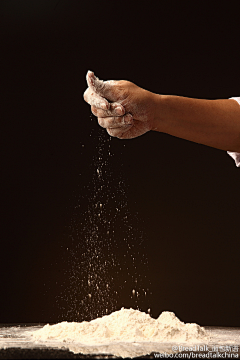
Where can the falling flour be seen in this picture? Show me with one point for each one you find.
(106, 265)
(125, 325)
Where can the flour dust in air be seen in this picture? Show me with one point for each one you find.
(107, 253)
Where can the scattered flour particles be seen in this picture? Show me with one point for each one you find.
(125, 325)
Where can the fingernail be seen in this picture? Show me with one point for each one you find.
(119, 110)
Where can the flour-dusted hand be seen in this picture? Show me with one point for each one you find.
(123, 108)
(127, 111)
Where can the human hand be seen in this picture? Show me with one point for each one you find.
(123, 109)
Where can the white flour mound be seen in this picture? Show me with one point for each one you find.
(125, 325)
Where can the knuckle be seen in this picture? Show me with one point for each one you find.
(105, 113)
(94, 110)
(111, 132)
(121, 136)
(115, 121)
(101, 122)
(110, 121)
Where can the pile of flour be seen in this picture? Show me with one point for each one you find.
(125, 325)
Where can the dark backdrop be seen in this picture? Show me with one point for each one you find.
(182, 200)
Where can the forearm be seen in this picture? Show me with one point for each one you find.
(214, 123)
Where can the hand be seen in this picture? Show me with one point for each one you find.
(123, 109)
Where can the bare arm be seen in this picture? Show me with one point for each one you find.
(133, 111)
(214, 123)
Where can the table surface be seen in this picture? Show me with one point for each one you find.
(16, 342)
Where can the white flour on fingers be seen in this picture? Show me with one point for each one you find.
(96, 100)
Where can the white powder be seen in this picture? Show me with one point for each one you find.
(125, 325)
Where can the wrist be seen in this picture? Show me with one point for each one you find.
(157, 118)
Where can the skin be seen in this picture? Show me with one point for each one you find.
(126, 111)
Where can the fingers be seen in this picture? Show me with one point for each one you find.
(102, 88)
(93, 82)
(116, 121)
(111, 115)
(100, 106)
(115, 109)
(92, 98)
(119, 132)
(137, 128)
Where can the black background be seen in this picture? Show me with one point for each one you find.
(186, 195)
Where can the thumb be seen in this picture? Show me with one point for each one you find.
(102, 88)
